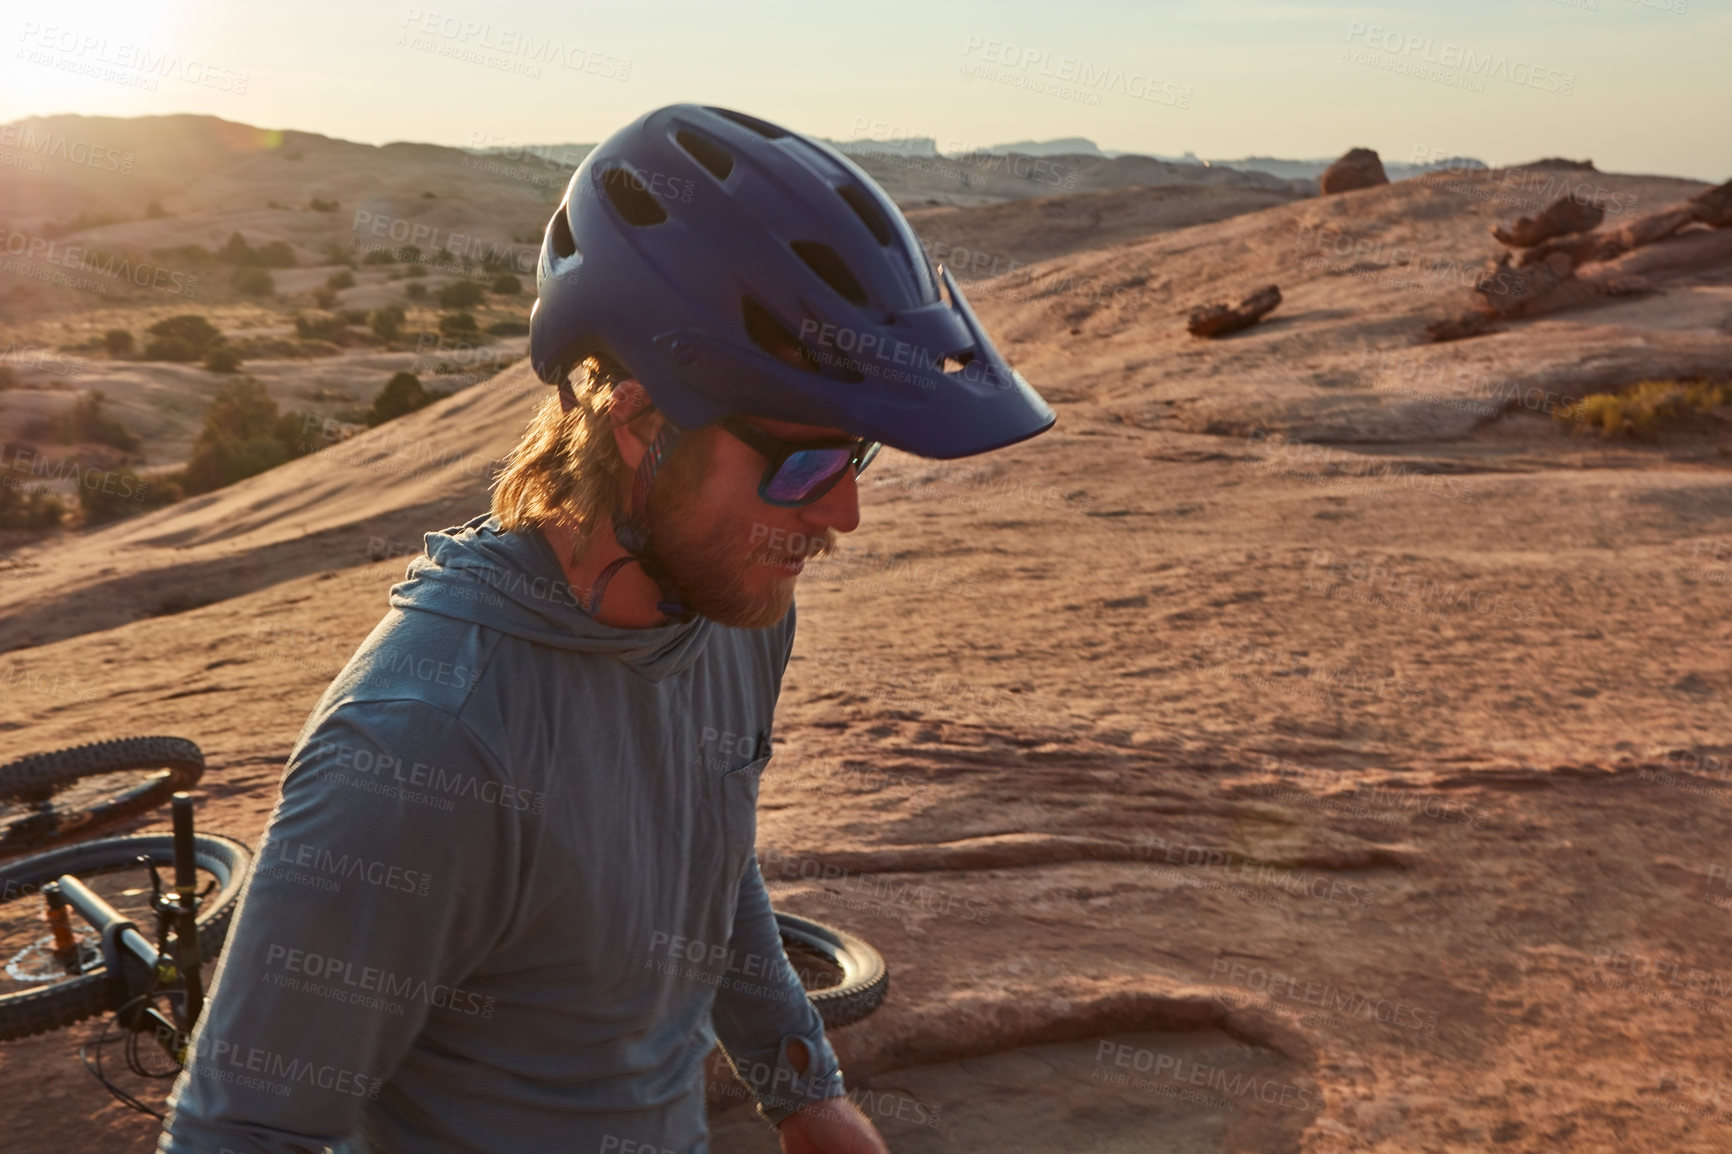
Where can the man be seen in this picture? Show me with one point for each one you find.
(513, 861)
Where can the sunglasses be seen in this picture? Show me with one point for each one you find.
(798, 474)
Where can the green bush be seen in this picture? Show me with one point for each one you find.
(32, 507)
(340, 280)
(387, 323)
(83, 423)
(460, 294)
(1643, 410)
(110, 494)
(189, 327)
(253, 282)
(171, 349)
(457, 325)
(318, 205)
(243, 434)
(402, 394)
(118, 342)
(222, 360)
(506, 285)
(324, 328)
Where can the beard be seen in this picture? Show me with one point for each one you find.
(708, 552)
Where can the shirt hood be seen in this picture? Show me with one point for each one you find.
(513, 582)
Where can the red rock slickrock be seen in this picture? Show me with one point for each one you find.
(1359, 168)
(1561, 217)
(1219, 320)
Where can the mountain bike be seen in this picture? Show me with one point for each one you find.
(50, 798)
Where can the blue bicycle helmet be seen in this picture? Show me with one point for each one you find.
(734, 266)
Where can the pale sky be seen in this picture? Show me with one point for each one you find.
(1636, 85)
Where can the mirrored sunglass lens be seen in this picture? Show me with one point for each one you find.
(866, 457)
(804, 471)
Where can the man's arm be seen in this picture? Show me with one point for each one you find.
(768, 1024)
(368, 895)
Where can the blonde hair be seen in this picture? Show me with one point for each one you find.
(565, 469)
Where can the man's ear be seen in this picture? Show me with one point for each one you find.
(630, 435)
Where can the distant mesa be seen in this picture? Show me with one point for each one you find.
(1560, 162)
(1359, 168)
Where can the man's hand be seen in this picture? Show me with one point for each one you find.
(833, 1126)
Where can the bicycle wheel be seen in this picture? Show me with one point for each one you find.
(47, 798)
(36, 992)
(845, 978)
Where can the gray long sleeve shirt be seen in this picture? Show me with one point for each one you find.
(508, 899)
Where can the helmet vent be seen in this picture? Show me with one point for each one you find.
(559, 235)
(706, 152)
(631, 199)
(772, 336)
(762, 127)
(955, 362)
(869, 213)
(831, 268)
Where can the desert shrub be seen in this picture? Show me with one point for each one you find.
(83, 423)
(118, 342)
(353, 316)
(340, 280)
(8, 378)
(409, 253)
(415, 292)
(110, 494)
(460, 294)
(380, 256)
(222, 359)
(181, 338)
(508, 328)
(319, 205)
(428, 196)
(153, 211)
(324, 296)
(457, 325)
(28, 506)
(325, 328)
(414, 271)
(506, 285)
(1644, 410)
(253, 282)
(387, 322)
(402, 394)
(243, 434)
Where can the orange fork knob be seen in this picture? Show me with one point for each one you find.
(65, 945)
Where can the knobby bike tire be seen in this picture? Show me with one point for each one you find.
(37, 776)
(65, 1003)
(865, 977)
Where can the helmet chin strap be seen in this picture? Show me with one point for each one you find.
(631, 526)
(631, 530)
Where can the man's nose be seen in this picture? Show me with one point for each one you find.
(839, 509)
